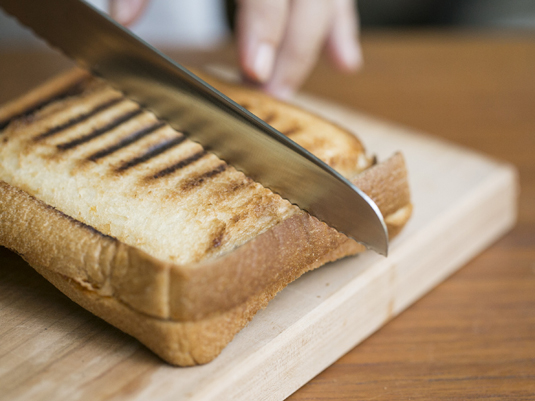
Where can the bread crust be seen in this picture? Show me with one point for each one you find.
(185, 313)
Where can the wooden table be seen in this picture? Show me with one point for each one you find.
(474, 335)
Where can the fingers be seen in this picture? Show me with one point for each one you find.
(127, 12)
(343, 44)
(307, 28)
(260, 27)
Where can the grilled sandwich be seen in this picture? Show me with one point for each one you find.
(154, 234)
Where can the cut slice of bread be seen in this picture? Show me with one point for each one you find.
(145, 229)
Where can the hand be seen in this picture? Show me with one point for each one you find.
(279, 41)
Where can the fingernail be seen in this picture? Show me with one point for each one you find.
(352, 54)
(263, 62)
(280, 92)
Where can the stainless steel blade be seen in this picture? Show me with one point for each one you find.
(190, 105)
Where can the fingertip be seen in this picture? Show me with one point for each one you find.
(350, 58)
(345, 51)
(263, 62)
(126, 12)
(258, 61)
(281, 92)
(259, 28)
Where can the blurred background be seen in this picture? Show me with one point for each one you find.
(207, 23)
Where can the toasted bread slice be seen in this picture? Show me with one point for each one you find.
(148, 231)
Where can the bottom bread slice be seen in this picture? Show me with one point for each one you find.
(179, 343)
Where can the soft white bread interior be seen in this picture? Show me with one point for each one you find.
(147, 230)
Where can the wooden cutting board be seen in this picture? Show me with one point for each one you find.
(51, 349)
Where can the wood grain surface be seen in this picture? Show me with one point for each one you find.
(474, 335)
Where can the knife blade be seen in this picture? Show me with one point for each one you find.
(188, 104)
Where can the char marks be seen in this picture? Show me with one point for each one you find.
(80, 224)
(134, 137)
(152, 152)
(291, 131)
(179, 165)
(75, 89)
(99, 131)
(78, 119)
(79, 129)
(270, 118)
(200, 179)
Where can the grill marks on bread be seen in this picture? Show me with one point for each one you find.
(130, 139)
(272, 117)
(179, 165)
(200, 179)
(78, 119)
(330, 143)
(83, 123)
(95, 133)
(151, 153)
(144, 156)
(292, 130)
(75, 89)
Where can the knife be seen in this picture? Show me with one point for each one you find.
(188, 104)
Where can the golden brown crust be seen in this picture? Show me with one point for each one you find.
(386, 183)
(185, 313)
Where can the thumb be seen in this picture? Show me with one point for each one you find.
(127, 12)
